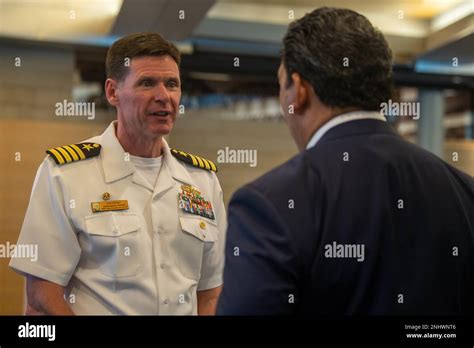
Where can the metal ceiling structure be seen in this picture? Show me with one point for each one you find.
(425, 35)
(173, 19)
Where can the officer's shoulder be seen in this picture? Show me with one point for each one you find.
(74, 152)
(194, 160)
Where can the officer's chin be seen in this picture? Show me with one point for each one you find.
(161, 129)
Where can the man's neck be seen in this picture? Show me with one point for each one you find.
(140, 146)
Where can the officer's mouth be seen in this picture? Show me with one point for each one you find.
(160, 113)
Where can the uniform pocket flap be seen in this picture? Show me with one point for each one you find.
(112, 225)
(199, 228)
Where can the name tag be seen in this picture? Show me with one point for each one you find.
(109, 206)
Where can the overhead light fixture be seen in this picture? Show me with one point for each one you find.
(452, 15)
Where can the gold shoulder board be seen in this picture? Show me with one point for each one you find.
(194, 160)
(74, 152)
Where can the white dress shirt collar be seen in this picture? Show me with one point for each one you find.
(343, 118)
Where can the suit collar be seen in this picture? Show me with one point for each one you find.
(366, 126)
(341, 119)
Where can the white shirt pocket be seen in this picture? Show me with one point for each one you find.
(198, 235)
(114, 243)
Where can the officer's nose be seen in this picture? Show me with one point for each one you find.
(161, 93)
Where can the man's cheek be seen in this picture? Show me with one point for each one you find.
(176, 101)
(173, 120)
(282, 109)
(282, 102)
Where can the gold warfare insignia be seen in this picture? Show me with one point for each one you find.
(194, 160)
(191, 201)
(74, 152)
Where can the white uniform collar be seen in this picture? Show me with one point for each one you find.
(177, 169)
(116, 167)
(343, 118)
(113, 156)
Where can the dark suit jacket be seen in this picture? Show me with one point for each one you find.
(294, 233)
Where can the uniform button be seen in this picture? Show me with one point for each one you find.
(159, 231)
(155, 198)
(165, 301)
(202, 224)
(162, 266)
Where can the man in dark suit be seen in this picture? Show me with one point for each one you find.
(361, 222)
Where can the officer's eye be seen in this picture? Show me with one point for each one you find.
(146, 83)
(172, 83)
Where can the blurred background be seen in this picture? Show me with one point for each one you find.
(54, 50)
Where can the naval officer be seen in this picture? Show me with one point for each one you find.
(109, 217)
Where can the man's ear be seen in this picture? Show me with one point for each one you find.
(111, 91)
(300, 95)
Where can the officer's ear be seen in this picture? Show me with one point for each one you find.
(300, 93)
(111, 91)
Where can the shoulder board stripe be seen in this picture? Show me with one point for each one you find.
(79, 151)
(213, 166)
(206, 163)
(71, 152)
(56, 156)
(201, 163)
(194, 160)
(65, 154)
(74, 152)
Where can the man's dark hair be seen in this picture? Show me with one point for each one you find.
(137, 45)
(320, 45)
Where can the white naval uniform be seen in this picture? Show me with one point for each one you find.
(149, 259)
